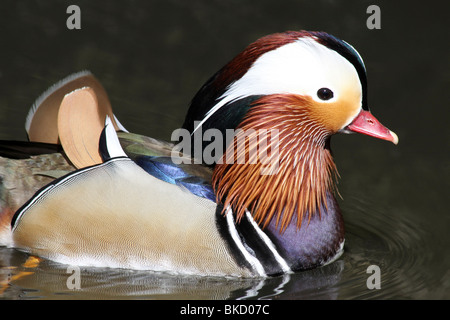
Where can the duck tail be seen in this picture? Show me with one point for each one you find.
(6, 215)
(25, 167)
(5, 227)
(10, 185)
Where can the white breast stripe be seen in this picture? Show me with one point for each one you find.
(234, 234)
(337, 255)
(283, 264)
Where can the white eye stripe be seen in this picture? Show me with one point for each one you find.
(301, 67)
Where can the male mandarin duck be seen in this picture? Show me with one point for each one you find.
(84, 191)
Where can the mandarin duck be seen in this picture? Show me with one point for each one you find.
(85, 191)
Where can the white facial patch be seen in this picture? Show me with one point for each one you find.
(301, 67)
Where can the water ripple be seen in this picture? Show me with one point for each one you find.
(402, 248)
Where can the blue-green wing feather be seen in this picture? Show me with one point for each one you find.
(155, 157)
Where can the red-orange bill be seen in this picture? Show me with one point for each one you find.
(366, 123)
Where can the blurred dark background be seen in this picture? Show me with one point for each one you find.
(152, 57)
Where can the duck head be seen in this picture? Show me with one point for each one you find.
(302, 87)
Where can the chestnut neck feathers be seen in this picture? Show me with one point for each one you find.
(304, 168)
(273, 85)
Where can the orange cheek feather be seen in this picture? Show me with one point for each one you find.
(336, 115)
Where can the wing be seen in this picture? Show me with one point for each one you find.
(73, 113)
(115, 214)
(156, 158)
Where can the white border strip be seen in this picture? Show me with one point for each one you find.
(37, 197)
(254, 262)
(283, 264)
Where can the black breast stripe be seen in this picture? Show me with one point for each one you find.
(222, 227)
(252, 242)
(260, 247)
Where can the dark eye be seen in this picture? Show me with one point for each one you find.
(324, 94)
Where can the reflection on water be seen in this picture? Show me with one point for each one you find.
(375, 237)
(50, 281)
(153, 57)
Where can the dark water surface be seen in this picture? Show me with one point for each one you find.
(152, 56)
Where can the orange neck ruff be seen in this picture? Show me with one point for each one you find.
(303, 168)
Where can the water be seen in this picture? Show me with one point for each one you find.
(152, 56)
